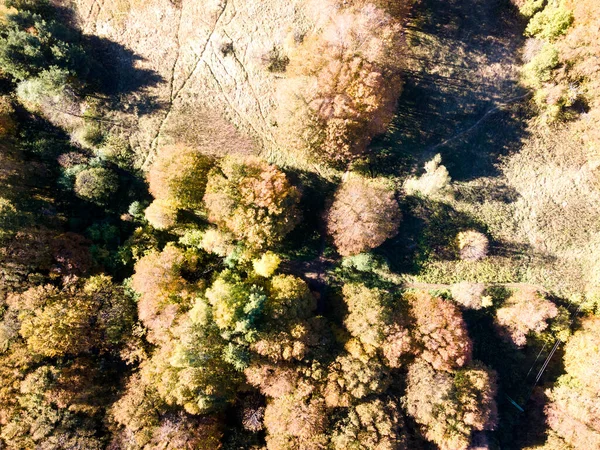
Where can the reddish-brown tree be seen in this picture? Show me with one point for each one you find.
(363, 215)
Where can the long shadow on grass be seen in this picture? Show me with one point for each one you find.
(457, 72)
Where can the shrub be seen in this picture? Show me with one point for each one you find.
(435, 182)
(7, 123)
(363, 215)
(252, 200)
(96, 184)
(539, 69)
(117, 150)
(472, 245)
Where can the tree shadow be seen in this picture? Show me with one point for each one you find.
(113, 71)
(428, 230)
(459, 51)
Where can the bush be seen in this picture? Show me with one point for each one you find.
(363, 215)
(469, 295)
(539, 69)
(7, 123)
(96, 184)
(435, 182)
(473, 245)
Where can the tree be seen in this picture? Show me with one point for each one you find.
(525, 311)
(363, 215)
(253, 200)
(343, 82)
(84, 315)
(161, 215)
(96, 184)
(142, 421)
(354, 376)
(296, 422)
(369, 313)
(459, 404)
(371, 425)
(440, 332)
(58, 407)
(34, 39)
(267, 264)
(573, 410)
(189, 370)
(288, 328)
(164, 293)
(473, 245)
(178, 176)
(236, 306)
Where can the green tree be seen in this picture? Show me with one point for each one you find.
(178, 176)
(96, 184)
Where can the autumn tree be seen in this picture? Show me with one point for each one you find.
(161, 215)
(296, 421)
(288, 328)
(353, 376)
(440, 331)
(84, 315)
(164, 292)
(253, 200)
(364, 213)
(343, 82)
(371, 425)
(57, 406)
(573, 410)
(459, 403)
(525, 311)
(178, 176)
(141, 420)
(189, 370)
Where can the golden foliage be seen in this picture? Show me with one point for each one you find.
(252, 200)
